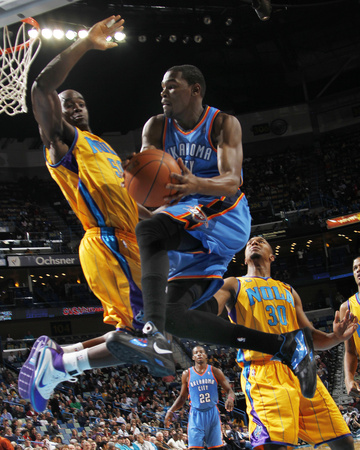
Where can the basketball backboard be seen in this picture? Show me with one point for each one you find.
(12, 11)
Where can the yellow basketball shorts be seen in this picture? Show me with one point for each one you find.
(111, 265)
(280, 414)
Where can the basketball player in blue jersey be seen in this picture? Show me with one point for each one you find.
(278, 412)
(89, 173)
(352, 346)
(200, 385)
(186, 248)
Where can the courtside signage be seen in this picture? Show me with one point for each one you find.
(43, 260)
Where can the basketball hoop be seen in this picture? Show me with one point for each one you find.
(16, 57)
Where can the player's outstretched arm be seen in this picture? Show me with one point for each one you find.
(45, 101)
(342, 330)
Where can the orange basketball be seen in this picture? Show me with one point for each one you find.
(147, 175)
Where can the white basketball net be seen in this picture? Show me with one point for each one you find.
(16, 58)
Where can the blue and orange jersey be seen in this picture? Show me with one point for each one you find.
(194, 146)
(90, 176)
(354, 307)
(266, 305)
(203, 389)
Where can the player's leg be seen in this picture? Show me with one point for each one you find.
(196, 429)
(111, 265)
(212, 424)
(49, 366)
(316, 415)
(203, 324)
(156, 237)
(27, 372)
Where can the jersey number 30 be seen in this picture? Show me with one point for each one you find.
(277, 314)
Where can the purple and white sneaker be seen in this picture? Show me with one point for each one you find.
(49, 372)
(26, 375)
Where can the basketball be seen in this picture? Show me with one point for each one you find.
(147, 175)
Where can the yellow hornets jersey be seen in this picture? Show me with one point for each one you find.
(354, 307)
(90, 176)
(266, 305)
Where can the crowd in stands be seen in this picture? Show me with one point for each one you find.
(321, 178)
(123, 408)
(120, 406)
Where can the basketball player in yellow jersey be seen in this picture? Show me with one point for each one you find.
(90, 175)
(352, 346)
(278, 413)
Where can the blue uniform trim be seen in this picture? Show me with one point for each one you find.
(332, 440)
(91, 205)
(135, 294)
(260, 435)
(68, 161)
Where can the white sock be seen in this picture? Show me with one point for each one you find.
(76, 362)
(73, 348)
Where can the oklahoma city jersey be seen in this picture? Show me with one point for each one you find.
(266, 305)
(203, 389)
(204, 424)
(354, 306)
(90, 176)
(221, 224)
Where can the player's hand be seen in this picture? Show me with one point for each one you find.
(168, 418)
(344, 329)
(185, 184)
(352, 388)
(100, 31)
(126, 161)
(229, 404)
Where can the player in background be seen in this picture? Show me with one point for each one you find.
(352, 346)
(278, 412)
(186, 248)
(200, 385)
(90, 175)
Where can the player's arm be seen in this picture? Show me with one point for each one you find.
(228, 134)
(226, 295)
(342, 330)
(222, 380)
(143, 212)
(180, 401)
(350, 360)
(152, 133)
(55, 132)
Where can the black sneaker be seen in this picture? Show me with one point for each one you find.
(297, 352)
(149, 349)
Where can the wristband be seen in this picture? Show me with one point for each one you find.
(231, 398)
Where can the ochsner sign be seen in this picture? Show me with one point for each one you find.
(43, 260)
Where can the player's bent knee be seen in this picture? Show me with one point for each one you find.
(147, 232)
